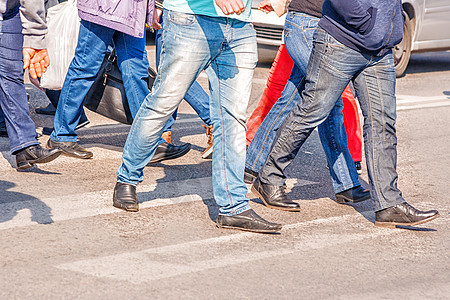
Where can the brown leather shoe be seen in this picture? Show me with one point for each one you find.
(125, 197)
(70, 149)
(403, 215)
(35, 154)
(248, 220)
(274, 196)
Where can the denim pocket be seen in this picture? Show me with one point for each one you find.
(180, 18)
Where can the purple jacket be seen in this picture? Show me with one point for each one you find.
(128, 16)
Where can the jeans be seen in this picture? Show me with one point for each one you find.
(13, 96)
(299, 30)
(93, 42)
(226, 49)
(197, 98)
(331, 67)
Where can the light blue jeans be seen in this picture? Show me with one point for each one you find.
(93, 42)
(197, 98)
(298, 36)
(226, 49)
(331, 67)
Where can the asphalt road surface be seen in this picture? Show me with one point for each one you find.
(61, 238)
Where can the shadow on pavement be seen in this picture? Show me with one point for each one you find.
(11, 202)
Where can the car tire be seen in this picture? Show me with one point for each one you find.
(402, 51)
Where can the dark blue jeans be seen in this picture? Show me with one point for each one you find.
(298, 36)
(13, 96)
(93, 42)
(331, 67)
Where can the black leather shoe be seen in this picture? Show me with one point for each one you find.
(403, 215)
(166, 151)
(3, 131)
(247, 221)
(47, 110)
(70, 149)
(35, 154)
(249, 175)
(355, 194)
(125, 197)
(274, 196)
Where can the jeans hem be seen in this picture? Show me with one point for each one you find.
(23, 146)
(236, 212)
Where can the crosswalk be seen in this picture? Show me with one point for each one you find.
(408, 102)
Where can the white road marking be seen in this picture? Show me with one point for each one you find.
(43, 211)
(406, 102)
(197, 256)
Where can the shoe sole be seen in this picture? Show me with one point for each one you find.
(395, 224)
(124, 207)
(42, 160)
(248, 229)
(342, 199)
(170, 157)
(257, 194)
(207, 153)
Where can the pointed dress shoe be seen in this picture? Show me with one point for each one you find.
(403, 215)
(35, 154)
(274, 196)
(125, 197)
(166, 151)
(248, 220)
(354, 195)
(70, 149)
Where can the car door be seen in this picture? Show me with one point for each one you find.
(434, 31)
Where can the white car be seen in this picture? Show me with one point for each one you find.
(427, 28)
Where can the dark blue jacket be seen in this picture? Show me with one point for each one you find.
(368, 26)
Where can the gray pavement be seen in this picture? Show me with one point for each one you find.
(62, 239)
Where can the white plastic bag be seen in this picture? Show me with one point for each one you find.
(63, 26)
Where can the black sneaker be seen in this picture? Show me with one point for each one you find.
(358, 167)
(35, 154)
(46, 110)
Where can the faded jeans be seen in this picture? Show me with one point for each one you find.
(298, 36)
(226, 49)
(331, 67)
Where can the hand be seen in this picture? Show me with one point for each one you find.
(156, 16)
(265, 6)
(229, 7)
(36, 60)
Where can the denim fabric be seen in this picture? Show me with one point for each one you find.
(299, 30)
(93, 41)
(331, 67)
(197, 98)
(226, 49)
(13, 96)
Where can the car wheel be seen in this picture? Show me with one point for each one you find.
(402, 51)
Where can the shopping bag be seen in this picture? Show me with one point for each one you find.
(63, 26)
(107, 94)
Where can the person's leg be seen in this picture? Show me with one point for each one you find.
(279, 74)
(180, 63)
(375, 87)
(13, 96)
(299, 29)
(319, 98)
(93, 41)
(230, 75)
